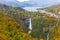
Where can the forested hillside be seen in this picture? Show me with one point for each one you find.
(54, 9)
(11, 30)
(13, 27)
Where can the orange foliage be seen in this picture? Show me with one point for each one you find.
(3, 37)
(57, 35)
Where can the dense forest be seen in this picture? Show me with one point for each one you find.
(12, 26)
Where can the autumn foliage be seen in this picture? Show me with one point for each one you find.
(9, 30)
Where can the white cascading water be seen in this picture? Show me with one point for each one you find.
(47, 36)
(30, 26)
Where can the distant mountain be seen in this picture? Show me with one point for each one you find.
(7, 7)
(16, 3)
(54, 8)
(32, 9)
(14, 12)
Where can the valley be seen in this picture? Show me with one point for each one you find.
(19, 24)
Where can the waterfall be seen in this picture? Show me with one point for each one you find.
(47, 36)
(30, 26)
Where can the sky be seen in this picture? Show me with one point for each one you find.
(31, 3)
(39, 3)
(22, 0)
(13, 0)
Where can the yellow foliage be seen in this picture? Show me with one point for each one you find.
(3, 37)
(41, 38)
(57, 39)
(57, 35)
(59, 30)
(10, 30)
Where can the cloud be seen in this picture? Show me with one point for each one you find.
(26, 3)
(22, 0)
(9, 0)
(15, 0)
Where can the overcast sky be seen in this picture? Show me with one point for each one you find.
(31, 3)
(13, 0)
(36, 2)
